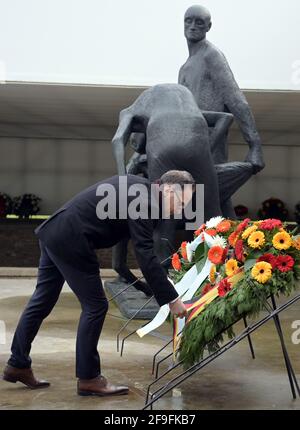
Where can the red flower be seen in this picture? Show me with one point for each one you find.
(215, 254)
(176, 264)
(183, 250)
(284, 263)
(270, 224)
(206, 289)
(223, 287)
(225, 251)
(269, 258)
(239, 250)
(242, 225)
(2, 207)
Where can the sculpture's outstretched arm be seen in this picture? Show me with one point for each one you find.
(221, 122)
(120, 140)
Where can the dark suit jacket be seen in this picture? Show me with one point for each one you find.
(75, 230)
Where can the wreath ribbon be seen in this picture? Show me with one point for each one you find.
(185, 288)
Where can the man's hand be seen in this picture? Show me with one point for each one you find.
(255, 157)
(178, 309)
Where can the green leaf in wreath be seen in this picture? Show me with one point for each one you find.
(254, 255)
(199, 252)
(249, 263)
(295, 230)
(200, 264)
(206, 249)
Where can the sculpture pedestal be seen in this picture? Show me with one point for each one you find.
(131, 300)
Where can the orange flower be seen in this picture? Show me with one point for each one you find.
(296, 243)
(200, 230)
(212, 274)
(210, 232)
(215, 254)
(233, 237)
(223, 226)
(176, 264)
(183, 250)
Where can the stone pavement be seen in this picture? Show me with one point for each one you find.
(234, 381)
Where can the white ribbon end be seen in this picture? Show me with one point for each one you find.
(140, 332)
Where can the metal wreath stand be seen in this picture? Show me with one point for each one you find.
(155, 393)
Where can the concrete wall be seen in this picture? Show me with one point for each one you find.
(56, 169)
(281, 176)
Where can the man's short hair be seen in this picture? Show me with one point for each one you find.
(179, 177)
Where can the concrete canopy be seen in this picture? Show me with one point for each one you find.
(81, 110)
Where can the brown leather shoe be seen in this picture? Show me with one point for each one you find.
(99, 386)
(26, 376)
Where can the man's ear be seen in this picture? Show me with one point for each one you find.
(209, 26)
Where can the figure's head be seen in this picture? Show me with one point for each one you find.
(197, 22)
(177, 188)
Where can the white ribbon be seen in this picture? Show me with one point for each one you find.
(197, 282)
(185, 288)
(163, 313)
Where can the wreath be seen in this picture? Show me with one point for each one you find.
(248, 261)
(26, 205)
(5, 204)
(273, 208)
(297, 212)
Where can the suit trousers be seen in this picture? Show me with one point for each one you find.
(87, 286)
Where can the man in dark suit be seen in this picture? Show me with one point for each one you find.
(68, 240)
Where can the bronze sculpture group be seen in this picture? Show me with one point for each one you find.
(185, 126)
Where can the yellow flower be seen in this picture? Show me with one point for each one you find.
(282, 240)
(256, 239)
(212, 274)
(231, 266)
(262, 272)
(248, 231)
